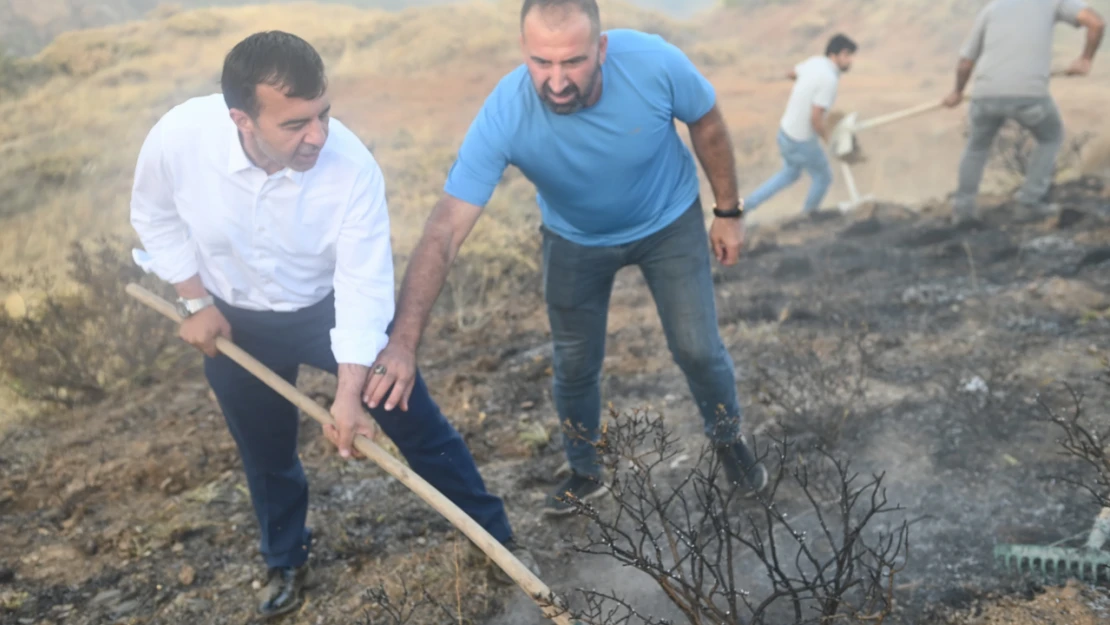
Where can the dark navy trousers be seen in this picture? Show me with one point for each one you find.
(264, 426)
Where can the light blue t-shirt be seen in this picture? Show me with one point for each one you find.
(605, 175)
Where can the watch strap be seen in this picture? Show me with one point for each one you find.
(194, 305)
(736, 210)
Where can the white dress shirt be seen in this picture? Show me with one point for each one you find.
(276, 242)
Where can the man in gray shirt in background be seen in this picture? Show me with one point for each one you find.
(1010, 49)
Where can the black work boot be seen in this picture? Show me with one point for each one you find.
(741, 469)
(284, 591)
(576, 487)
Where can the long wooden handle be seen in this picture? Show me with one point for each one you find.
(536, 589)
(897, 115)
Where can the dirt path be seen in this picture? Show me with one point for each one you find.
(136, 512)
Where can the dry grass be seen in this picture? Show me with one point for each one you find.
(442, 584)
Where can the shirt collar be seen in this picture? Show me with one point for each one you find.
(238, 161)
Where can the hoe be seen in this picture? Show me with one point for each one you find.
(1090, 563)
(528, 582)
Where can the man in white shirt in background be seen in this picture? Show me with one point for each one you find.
(803, 123)
(270, 220)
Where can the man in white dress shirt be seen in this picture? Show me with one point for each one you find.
(269, 218)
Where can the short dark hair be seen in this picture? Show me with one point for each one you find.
(589, 7)
(840, 43)
(274, 58)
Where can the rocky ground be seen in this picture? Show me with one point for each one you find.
(891, 337)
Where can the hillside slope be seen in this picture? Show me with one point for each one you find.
(67, 174)
(27, 26)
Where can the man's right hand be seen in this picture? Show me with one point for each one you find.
(953, 99)
(395, 368)
(201, 329)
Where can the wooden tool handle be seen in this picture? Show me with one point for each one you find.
(897, 115)
(497, 552)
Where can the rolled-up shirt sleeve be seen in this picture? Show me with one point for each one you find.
(364, 303)
(164, 235)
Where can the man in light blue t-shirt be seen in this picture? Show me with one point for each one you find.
(589, 119)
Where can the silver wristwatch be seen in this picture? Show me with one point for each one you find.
(189, 307)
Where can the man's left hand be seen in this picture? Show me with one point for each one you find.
(726, 234)
(351, 419)
(1079, 67)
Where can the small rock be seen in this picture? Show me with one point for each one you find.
(177, 547)
(1050, 244)
(976, 385)
(187, 576)
(257, 585)
(528, 404)
(198, 605)
(1069, 217)
(106, 596)
(1065, 295)
(15, 306)
(125, 608)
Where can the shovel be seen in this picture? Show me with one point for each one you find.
(532, 585)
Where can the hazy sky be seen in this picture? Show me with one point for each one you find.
(26, 28)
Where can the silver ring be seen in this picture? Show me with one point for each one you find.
(379, 369)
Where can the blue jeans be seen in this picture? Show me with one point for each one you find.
(578, 281)
(264, 426)
(796, 157)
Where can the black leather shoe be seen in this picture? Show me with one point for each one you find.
(284, 591)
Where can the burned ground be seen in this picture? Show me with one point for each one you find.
(889, 337)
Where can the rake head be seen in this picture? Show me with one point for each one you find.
(1088, 563)
(1054, 563)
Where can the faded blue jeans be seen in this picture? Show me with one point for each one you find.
(796, 157)
(578, 281)
(986, 115)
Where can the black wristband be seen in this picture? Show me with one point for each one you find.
(736, 211)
